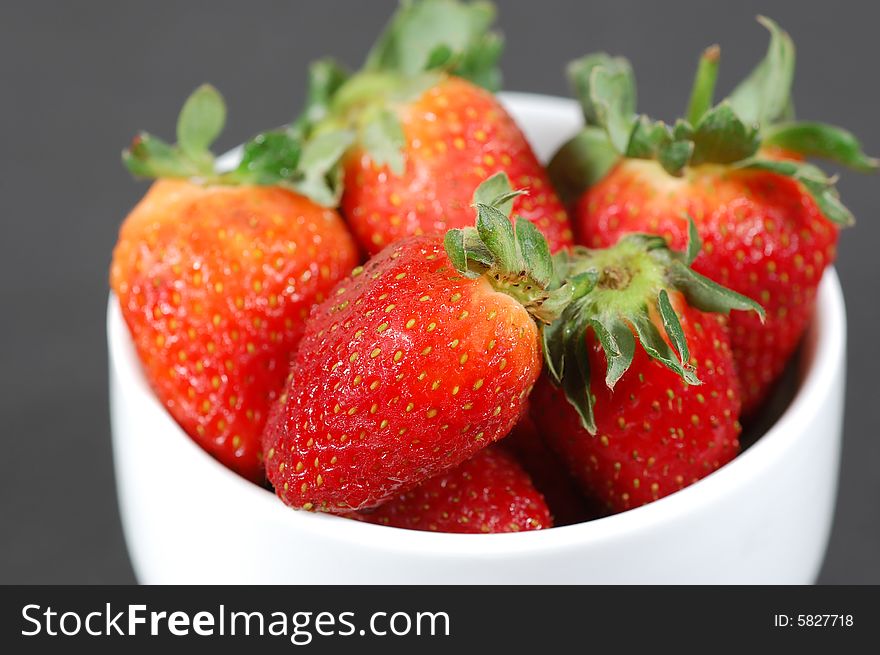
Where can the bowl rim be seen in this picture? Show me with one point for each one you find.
(827, 329)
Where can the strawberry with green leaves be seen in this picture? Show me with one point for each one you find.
(488, 493)
(420, 359)
(215, 272)
(427, 130)
(768, 219)
(640, 396)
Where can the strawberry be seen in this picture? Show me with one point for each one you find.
(463, 134)
(416, 362)
(769, 220)
(490, 492)
(426, 132)
(635, 424)
(548, 474)
(215, 276)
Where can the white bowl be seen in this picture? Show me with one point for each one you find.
(763, 518)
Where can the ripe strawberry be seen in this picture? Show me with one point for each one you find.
(656, 426)
(456, 134)
(415, 363)
(549, 474)
(490, 492)
(768, 220)
(215, 280)
(427, 133)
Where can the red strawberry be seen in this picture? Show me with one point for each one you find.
(656, 428)
(415, 363)
(214, 282)
(427, 133)
(490, 492)
(548, 474)
(456, 134)
(768, 221)
(765, 237)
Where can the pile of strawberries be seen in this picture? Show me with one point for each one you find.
(390, 310)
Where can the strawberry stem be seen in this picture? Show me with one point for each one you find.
(703, 90)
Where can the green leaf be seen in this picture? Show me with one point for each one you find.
(675, 156)
(382, 137)
(818, 185)
(467, 252)
(321, 153)
(695, 244)
(619, 344)
(654, 140)
(496, 232)
(200, 122)
(453, 242)
(682, 130)
(497, 192)
(576, 380)
(446, 34)
(323, 191)
(534, 251)
(553, 342)
(476, 251)
(821, 140)
(582, 162)
(439, 57)
(763, 97)
(580, 73)
(722, 138)
(647, 242)
(479, 63)
(320, 176)
(150, 157)
(269, 158)
(572, 290)
(281, 158)
(657, 348)
(326, 77)
(672, 326)
(703, 90)
(708, 296)
(612, 100)
(648, 138)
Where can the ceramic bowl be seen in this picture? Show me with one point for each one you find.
(763, 518)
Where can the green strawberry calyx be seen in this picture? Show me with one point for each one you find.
(285, 157)
(513, 256)
(440, 35)
(629, 304)
(757, 116)
(424, 41)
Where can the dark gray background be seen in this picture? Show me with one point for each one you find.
(78, 79)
